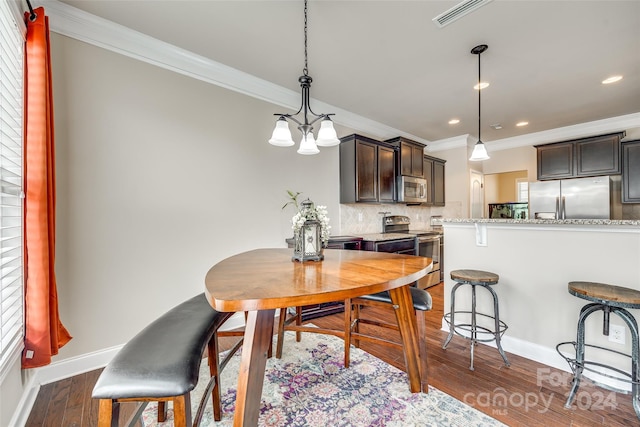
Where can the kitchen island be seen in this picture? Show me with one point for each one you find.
(535, 260)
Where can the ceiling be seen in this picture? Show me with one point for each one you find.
(387, 61)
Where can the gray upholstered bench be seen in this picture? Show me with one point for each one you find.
(162, 362)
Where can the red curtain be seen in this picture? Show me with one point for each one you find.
(44, 333)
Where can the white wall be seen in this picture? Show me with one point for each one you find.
(515, 159)
(159, 177)
(535, 264)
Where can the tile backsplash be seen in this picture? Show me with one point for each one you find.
(364, 218)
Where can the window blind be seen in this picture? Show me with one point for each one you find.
(11, 138)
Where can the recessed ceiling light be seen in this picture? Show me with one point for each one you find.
(496, 126)
(454, 121)
(611, 79)
(482, 85)
(520, 124)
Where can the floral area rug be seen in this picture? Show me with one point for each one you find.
(309, 386)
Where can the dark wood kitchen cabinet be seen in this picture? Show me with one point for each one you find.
(367, 170)
(555, 161)
(631, 172)
(594, 156)
(438, 182)
(410, 156)
(434, 174)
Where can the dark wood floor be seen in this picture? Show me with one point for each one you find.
(525, 394)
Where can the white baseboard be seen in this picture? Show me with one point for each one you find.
(547, 356)
(21, 415)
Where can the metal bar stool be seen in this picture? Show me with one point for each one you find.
(608, 299)
(474, 331)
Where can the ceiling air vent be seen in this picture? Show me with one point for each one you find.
(458, 11)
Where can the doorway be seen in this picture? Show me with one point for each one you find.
(476, 203)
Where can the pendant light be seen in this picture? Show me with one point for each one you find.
(479, 150)
(327, 137)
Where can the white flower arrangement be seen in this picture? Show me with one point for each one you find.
(318, 213)
(309, 212)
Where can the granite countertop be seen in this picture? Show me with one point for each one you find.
(540, 221)
(379, 237)
(335, 239)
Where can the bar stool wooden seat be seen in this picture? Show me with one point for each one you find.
(608, 299)
(472, 331)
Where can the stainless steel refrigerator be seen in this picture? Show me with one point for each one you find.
(579, 198)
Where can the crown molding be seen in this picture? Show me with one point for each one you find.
(77, 24)
(597, 127)
(450, 143)
(80, 25)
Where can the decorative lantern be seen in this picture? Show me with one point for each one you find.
(308, 243)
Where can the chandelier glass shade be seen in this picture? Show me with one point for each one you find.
(479, 150)
(327, 136)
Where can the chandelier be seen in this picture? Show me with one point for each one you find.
(327, 137)
(479, 150)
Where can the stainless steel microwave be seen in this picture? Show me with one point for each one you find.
(412, 190)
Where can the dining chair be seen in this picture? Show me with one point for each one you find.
(354, 317)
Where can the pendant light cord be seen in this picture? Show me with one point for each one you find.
(479, 96)
(305, 70)
(478, 50)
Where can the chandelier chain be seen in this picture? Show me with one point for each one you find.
(305, 70)
(326, 135)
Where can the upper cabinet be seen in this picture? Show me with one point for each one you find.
(631, 172)
(595, 156)
(555, 161)
(434, 173)
(410, 158)
(438, 182)
(367, 170)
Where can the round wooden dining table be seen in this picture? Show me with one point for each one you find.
(262, 280)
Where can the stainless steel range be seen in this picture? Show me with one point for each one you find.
(428, 244)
